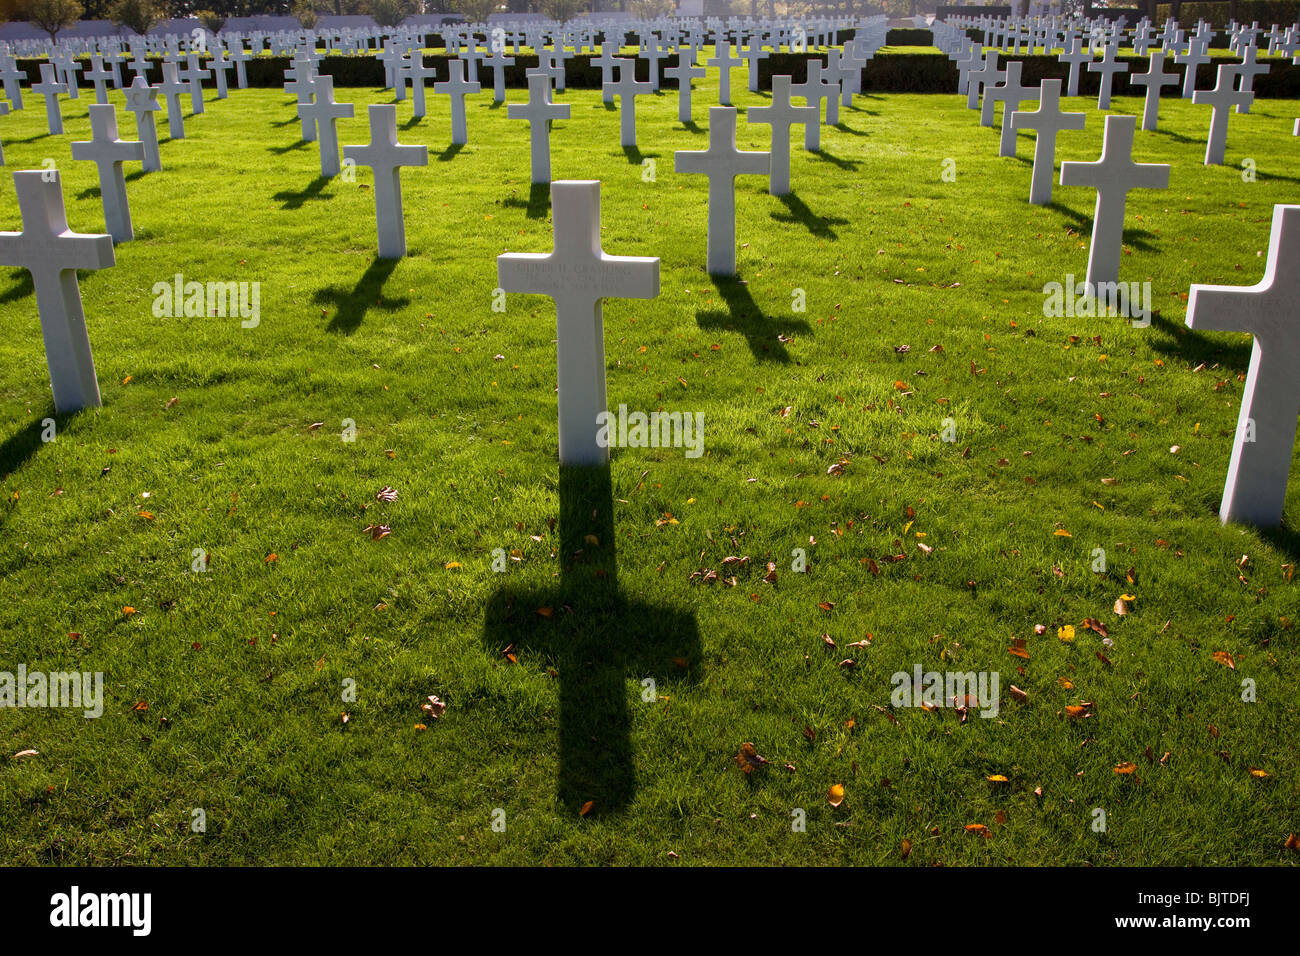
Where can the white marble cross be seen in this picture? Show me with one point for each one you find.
(325, 113)
(781, 115)
(53, 253)
(419, 71)
(171, 88)
(1248, 69)
(497, 61)
(751, 54)
(813, 91)
(539, 111)
(1191, 58)
(1046, 121)
(683, 73)
(653, 54)
(99, 75)
(1255, 490)
(142, 100)
(1012, 94)
(1112, 176)
(108, 153)
(578, 275)
(385, 155)
(1107, 66)
(987, 75)
(608, 62)
(724, 61)
(1153, 79)
(12, 78)
(722, 162)
(302, 85)
(50, 88)
(220, 63)
(1075, 54)
(455, 87)
(194, 75)
(627, 89)
(1221, 99)
(239, 56)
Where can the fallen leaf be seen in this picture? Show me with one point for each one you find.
(835, 796)
(749, 758)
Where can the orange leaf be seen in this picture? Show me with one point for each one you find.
(1224, 658)
(835, 796)
(1126, 768)
(586, 808)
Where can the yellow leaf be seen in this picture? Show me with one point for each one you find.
(1126, 768)
(996, 778)
(451, 564)
(1062, 533)
(835, 796)
(1066, 632)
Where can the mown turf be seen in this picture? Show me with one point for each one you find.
(924, 302)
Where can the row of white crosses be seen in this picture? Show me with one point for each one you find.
(1259, 467)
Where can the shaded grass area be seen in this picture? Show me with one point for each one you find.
(244, 666)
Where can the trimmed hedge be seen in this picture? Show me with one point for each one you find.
(887, 73)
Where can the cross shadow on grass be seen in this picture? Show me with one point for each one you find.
(1057, 206)
(367, 294)
(537, 204)
(295, 200)
(22, 445)
(281, 150)
(1196, 348)
(1160, 131)
(21, 288)
(848, 165)
(596, 638)
(635, 157)
(850, 130)
(450, 152)
(413, 121)
(798, 211)
(743, 315)
(692, 127)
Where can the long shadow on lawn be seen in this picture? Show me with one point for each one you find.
(595, 638)
(295, 200)
(798, 211)
(367, 294)
(539, 201)
(281, 150)
(744, 316)
(22, 287)
(850, 165)
(18, 448)
(1195, 348)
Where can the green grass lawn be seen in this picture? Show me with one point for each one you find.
(243, 667)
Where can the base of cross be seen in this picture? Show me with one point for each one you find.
(599, 644)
